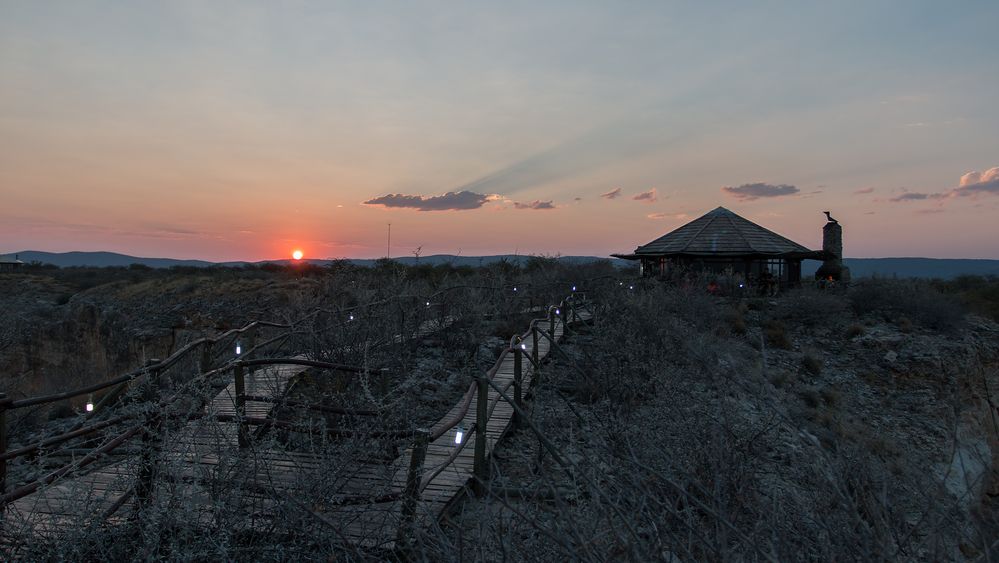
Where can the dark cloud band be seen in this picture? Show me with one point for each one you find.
(451, 201)
(749, 192)
(536, 204)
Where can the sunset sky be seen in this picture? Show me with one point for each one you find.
(242, 130)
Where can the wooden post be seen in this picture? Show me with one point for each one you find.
(4, 402)
(518, 383)
(534, 349)
(480, 467)
(243, 433)
(551, 317)
(150, 439)
(206, 357)
(411, 494)
(251, 339)
(251, 342)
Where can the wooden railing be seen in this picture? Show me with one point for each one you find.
(145, 423)
(147, 375)
(418, 478)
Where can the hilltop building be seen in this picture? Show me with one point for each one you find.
(8, 264)
(723, 243)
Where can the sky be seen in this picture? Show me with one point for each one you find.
(244, 130)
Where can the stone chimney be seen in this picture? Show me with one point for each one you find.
(832, 240)
(832, 245)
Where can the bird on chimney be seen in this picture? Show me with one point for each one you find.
(830, 217)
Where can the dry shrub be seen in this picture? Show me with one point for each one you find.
(810, 307)
(780, 379)
(812, 362)
(914, 299)
(776, 334)
(830, 395)
(810, 397)
(855, 330)
(737, 322)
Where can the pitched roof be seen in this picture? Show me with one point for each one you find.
(7, 259)
(721, 232)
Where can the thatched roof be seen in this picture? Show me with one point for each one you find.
(723, 233)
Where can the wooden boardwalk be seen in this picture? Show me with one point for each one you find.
(205, 451)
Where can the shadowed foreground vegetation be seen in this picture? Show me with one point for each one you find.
(848, 425)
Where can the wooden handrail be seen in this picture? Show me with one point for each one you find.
(306, 362)
(11, 454)
(93, 456)
(313, 406)
(443, 426)
(421, 481)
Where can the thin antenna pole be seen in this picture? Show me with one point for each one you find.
(388, 247)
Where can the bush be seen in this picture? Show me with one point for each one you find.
(916, 300)
(776, 335)
(979, 293)
(810, 397)
(810, 307)
(737, 322)
(830, 395)
(855, 330)
(812, 363)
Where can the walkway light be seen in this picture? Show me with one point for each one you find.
(574, 288)
(428, 303)
(350, 318)
(631, 287)
(90, 403)
(515, 289)
(459, 434)
(239, 347)
(558, 312)
(523, 346)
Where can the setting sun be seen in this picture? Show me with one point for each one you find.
(297, 254)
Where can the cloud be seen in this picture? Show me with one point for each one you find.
(613, 194)
(647, 197)
(656, 215)
(863, 191)
(536, 204)
(749, 192)
(976, 183)
(912, 196)
(455, 201)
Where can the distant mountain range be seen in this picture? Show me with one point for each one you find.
(944, 268)
(106, 259)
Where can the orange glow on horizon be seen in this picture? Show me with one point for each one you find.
(297, 254)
